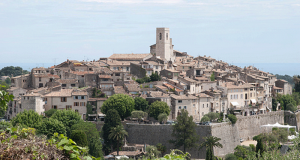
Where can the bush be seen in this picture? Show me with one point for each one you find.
(79, 137)
(212, 115)
(230, 156)
(205, 119)
(50, 126)
(139, 115)
(232, 118)
(291, 107)
(50, 112)
(157, 108)
(68, 118)
(28, 118)
(152, 152)
(162, 118)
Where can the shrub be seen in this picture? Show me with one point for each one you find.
(232, 118)
(230, 156)
(162, 118)
(50, 126)
(68, 118)
(50, 112)
(205, 119)
(79, 137)
(28, 118)
(291, 107)
(139, 115)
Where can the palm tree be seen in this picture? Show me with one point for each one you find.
(117, 133)
(209, 143)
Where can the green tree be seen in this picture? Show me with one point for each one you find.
(291, 107)
(68, 118)
(28, 118)
(141, 104)
(157, 108)
(205, 119)
(212, 115)
(184, 132)
(162, 118)
(89, 110)
(155, 77)
(232, 118)
(8, 81)
(50, 112)
(160, 147)
(93, 137)
(260, 146)
(297, 83)
(117, 133)
(152, 152)
(112, 119)
(274, 104)
(242, 151)
(139, 115)
(5, 97)
(49, 126)
(212, 76)
(11, 70)
(230, 156)
(209, 154)
(209, 143)
(79, 137)
(122, 103)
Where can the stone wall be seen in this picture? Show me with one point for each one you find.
(249, 126)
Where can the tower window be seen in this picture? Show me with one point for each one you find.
(167, 36)
(160, 36)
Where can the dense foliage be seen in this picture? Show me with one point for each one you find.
(27, 118)
(11, 70)
(112, 119)
(184, 132)
(162, 118)
(297, 83)
(50, 112)
(141, 104)
(122, 103)
(50, 126)
(152, 152)
(155, 77)
(140, 115)
(232, 118)
(157, 108)
(5, 97)
(93, 137)
(68, 118)
(79, 137)
(212, 77)
(205, 119)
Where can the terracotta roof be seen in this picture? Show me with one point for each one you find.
(203, 95)
(79, 93)
(157, 94)
(104, 76)
(132, 87)
(82, 72)
(161, 87)
(129, 56)
(169, 86)
(183, 97)
(53, 75)
(61, 93)
(119, 90)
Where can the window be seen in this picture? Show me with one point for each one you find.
(193, 105)
(127, 68)
(207, 105)
(76, 103)
(75, 97)
(160, 36)
(156, 67)
(203, 106)
(64, 85)
(41, 85)
(182, 67)
(117, 74)
(40, 79)
(184, 107)
(54, 106)
(250, 94)
(179, 107)
(68, 107)
(82, 103)
(82, 97)
(179, 101)
(167, 36)
(230, 96)
(63, 99)
(72, 85)
(79, 97)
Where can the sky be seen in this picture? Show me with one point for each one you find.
(236, 31)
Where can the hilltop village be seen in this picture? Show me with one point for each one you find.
(197, 84)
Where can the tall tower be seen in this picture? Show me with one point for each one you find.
(164, 47)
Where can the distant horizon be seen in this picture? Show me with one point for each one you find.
(290, 69)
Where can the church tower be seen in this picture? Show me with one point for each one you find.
(164, 47)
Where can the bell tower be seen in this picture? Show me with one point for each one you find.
(164, 47)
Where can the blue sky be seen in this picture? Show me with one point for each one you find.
(236, 31)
